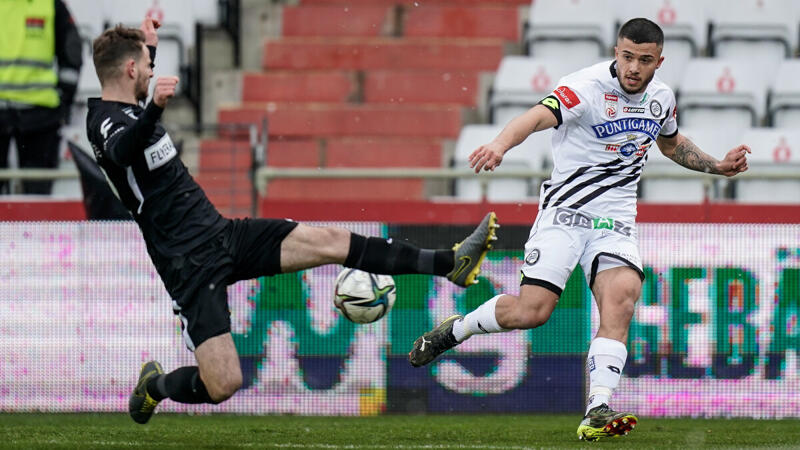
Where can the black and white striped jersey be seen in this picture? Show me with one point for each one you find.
(601, 142)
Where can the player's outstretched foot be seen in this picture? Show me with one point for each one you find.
(141, 405)
(433, 343)
(603, 422)
(470, 252)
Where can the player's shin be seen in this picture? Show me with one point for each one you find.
(481, 321)
(390, 257)
(182, 385)
(605, 361)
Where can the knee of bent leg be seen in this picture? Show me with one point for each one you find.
(534, 314)
(225, 388)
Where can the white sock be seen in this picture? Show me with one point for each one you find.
(605, 361)
(480, 321)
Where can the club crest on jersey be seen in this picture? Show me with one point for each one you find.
(655, 108)
(625, 125)
(532, 257)
(611, 105)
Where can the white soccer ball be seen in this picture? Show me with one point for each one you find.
(363, 297)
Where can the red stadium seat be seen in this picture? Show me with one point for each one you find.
(382, 53)
(319, 119)
(460, 21)
(299, 86)
(421, 86)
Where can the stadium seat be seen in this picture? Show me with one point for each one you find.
(173, 14)
(773, 150)
(580, 30)
(528, 155)
(522, 81)
(784, 96)
(493, 21)
(336, 20)
(722, 93)
(714, 141)
(382, 53)
(763, 31)
(170, 58)
(88, 84)
(684, 25)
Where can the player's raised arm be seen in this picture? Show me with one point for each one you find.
(683, 151)
(489, 156)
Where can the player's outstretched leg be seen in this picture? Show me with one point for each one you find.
(603, 422)
(469, 253)
(434, 343)
(141, 405)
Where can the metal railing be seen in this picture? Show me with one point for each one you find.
(263, 175)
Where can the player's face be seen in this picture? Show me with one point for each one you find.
(636, 64)
(144, 73)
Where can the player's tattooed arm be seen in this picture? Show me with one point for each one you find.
(684, 152)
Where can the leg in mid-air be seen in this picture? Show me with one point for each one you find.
(616, 290)
(308, 246)
(530, 309)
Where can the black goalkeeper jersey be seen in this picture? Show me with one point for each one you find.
(141, 162)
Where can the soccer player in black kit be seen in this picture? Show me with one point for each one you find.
(195, 250)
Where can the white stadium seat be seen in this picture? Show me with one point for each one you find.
(784, 95)
(528, 155)
(581, 30)
(774, 149)
(89, 17)
(522, 81)
(763, 31)
(723, 93)
(684, 25)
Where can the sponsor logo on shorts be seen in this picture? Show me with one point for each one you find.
(532, 257)
(567, 97)
(572, 218)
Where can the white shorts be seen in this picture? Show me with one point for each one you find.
(561, 238)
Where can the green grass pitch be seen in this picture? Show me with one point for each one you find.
(385, 432)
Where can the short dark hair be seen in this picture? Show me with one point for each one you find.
(642, 31)
(114, 46)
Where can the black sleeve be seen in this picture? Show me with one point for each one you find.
(68, 53)
(152, 50)
(551, 102)
(125, 140)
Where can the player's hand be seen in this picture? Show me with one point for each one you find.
(165, 90)
(487, 157)
(735, 161)
(149, 27)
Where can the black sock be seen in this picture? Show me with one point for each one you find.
(182, 385)
(387, 256)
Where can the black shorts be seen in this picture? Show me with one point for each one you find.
(198, 280)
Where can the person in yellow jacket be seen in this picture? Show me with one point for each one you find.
(40, 60)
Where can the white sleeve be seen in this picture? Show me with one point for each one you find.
(670, 127)
(573, 101)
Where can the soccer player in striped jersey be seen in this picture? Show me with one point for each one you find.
(606, 118)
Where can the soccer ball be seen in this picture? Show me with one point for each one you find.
(363, 297)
